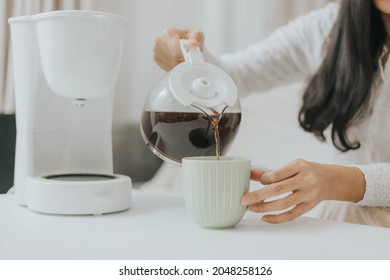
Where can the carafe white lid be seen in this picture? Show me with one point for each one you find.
(195, 81)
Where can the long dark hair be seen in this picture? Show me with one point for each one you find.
(339, 92)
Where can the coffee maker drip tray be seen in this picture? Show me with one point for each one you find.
(78, 194)
(80, 177)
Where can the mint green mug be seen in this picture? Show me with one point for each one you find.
(213, 189)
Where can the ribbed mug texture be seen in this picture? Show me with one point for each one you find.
(213, 189)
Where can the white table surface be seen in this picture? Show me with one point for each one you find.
(158, 227)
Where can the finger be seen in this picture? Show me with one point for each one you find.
(166, 66)
(195, 38)
(278, 204)
(269, 191)
(163, 57)
(256, 174)
(169, 42)
(289, 215)
(174, 48)
(162, 50)
(283, 173)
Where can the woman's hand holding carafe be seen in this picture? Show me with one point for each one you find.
(167, 53)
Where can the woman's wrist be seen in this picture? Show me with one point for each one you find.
(347, 183)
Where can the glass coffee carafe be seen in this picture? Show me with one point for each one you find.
(193, 110)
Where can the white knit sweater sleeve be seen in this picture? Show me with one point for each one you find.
(290, 54)
(377, 176)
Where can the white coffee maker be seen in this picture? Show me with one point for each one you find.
(66, 64)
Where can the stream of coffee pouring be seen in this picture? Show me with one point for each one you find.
(215, 122)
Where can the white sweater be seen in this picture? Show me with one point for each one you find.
(294, 53)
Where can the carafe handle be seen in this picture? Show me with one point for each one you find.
(191, 55)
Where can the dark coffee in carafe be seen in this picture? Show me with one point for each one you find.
(175, 135)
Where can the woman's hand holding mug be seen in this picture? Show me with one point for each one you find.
(302, 185)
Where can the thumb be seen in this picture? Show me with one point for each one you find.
(195, 38)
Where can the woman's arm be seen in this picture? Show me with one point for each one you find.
(290, 54)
